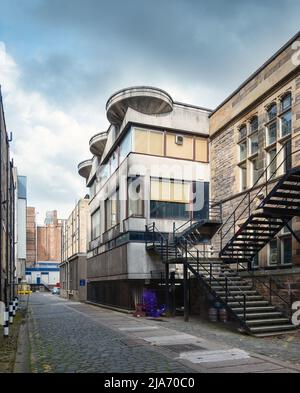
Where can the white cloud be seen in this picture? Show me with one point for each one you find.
(48, 143)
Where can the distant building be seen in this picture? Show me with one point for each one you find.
(43, 273)
(31, 255)
(74, 247)
(49, 239)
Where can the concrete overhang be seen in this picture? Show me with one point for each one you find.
(84, 168)
(143, 99)
(98, 143)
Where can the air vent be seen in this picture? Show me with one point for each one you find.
(179, 140)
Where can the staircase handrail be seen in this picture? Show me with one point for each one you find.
(265, 185)
(216, 279)
(212, 205)
(270, 289)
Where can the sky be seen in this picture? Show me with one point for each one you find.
(60, 60)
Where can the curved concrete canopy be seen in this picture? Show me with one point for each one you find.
(98, 143)
(84, 168)
(146, 100)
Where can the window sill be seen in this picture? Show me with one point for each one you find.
(270, 146)
(253, 156)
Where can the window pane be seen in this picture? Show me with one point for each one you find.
(287, 250)
(201, 150)
(125, 147)
(184, 150)
(272, 112)
(135, 196)
(169, 210)
(287, 156)
(149, 142)
(156, 143)
(168, 191)
(243, 170)
(286, 102)
(114, 162)
(254, 124)
(95, 223)
(272, 133)
(141, 141)
(272, 162)
(273, 252)
(243, 132)
(255, 171)
(243, 151)
(286, 124)
(254, 144)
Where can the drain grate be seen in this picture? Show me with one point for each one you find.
(179, 348)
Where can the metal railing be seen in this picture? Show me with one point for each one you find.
(214, 213)
(231, 222)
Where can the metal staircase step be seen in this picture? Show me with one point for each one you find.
(283, 202)
(254, 309)
(287, 195)
(272, 328)
(256, 322)
(250, 303)
(261, 315)
(290, 187)
(249, 297)
(282, 212)
(247, 292)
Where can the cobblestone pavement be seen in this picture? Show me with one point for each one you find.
(65, 341)
(71, 337)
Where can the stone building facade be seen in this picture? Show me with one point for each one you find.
(254, 139)
(7, 214)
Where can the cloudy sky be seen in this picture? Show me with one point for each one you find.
(61, 59)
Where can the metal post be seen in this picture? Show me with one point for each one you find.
(186, 293)
(244, 307)
(226, 289)
(167, 273)
(210, 273)
(185, 286)
(270, 288)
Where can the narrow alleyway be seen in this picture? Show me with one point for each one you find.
(70, 337)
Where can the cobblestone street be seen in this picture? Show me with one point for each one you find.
(70, 337)
(63, 340)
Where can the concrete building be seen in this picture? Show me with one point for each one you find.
(20, 225)
(73, 269)
(7, 215)
(150, 166)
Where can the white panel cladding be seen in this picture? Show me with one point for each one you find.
(21, 228)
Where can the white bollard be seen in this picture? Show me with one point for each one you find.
(6, 318)
(11, 316)
(14, 308)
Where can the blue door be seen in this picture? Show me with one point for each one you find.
(38, 280)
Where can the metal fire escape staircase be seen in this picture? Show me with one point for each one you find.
(270, 205)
